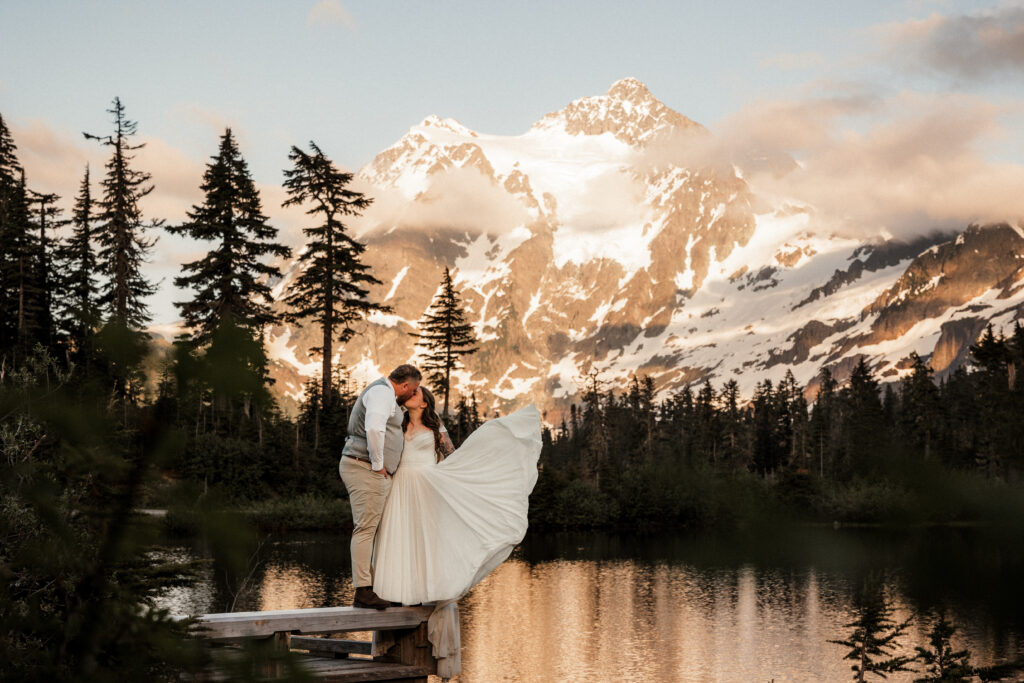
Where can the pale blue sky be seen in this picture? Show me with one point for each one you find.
(356, 85)
(354, 75)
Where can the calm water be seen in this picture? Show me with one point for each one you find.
(737, 608)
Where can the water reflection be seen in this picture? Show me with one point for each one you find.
(699, 608)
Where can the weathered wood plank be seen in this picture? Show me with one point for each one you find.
(314, 620)
(342, 670)
(331, 645)
(379, 674)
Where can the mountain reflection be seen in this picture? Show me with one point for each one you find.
(589, 609)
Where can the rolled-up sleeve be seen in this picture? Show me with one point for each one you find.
(380, 403)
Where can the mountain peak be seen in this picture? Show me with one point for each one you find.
(629, 111)
(449, 124)
(631, 90)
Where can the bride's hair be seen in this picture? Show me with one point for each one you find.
(430, 419)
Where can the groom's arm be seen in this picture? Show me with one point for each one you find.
(378, 401)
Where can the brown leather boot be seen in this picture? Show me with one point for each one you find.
(366, 598)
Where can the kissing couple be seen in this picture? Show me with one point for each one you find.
(431, 521)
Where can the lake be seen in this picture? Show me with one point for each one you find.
(708, 607)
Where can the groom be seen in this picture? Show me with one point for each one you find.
(370, 456)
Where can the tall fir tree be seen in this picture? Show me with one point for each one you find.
(23, 251)
(823, 423)
(863, 420)
(79, 309)
(920, 409)
(446, 336)
(231, 303)
(13, 230)
(120, 232)
(230, 281)
(46, 218)
(332, 288)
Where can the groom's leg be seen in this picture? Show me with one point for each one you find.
(367, 491)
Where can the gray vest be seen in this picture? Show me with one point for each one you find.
(394, 437)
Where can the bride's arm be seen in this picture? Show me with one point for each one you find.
(446, 442)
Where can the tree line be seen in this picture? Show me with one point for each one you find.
(917, 448)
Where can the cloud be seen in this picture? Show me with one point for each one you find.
(330, 13)
(765, 135)
(869, 162)
(967, 46)
(460, 199)
(602, 202)
(918, 166)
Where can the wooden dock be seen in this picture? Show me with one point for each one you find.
(274, 642)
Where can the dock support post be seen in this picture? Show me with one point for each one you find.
(413, 648)
(271, 664)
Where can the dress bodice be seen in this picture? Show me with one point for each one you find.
(419, 450)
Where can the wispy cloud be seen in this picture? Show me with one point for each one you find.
(983, 45)
(866, 162)
(459, 199)
(330, 13)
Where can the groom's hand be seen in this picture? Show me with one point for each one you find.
(382, 471)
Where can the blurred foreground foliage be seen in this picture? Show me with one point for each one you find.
(81, 571)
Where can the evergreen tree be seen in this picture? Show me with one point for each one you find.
(766, 444)
(22, 321)
(10, 177)
(14, 230)
(875, 637)
(993, 356)
(920, 409)
(734, 455)
(44, 280)
(230, 281)
(332, 286)
(1016, 345)
(120, 232)
(594, 452)
(863, 422)
(705, 425)
(26, 295)
(446, 336)
(79, 308)
(823, 420)
(943, 663)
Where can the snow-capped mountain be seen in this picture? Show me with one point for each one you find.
(579, 246)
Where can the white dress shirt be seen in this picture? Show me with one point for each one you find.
(380, 402)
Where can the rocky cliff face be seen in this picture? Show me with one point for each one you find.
(575, 254)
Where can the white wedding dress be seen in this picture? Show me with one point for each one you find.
(447, 525)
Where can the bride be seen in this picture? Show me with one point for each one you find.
(453, 516)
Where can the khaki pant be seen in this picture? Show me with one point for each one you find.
(367, 491)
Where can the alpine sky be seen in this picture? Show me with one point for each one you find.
(880, 102)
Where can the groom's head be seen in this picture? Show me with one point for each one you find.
(406, 380)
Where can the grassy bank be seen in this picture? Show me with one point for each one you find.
(704, 499)
(306, 512)
(695, 499)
